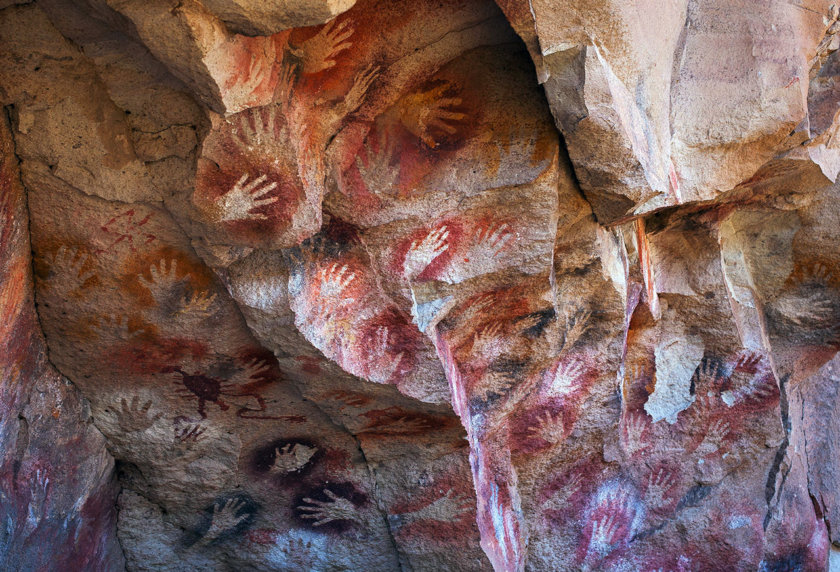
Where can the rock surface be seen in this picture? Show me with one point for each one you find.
(57, 485)
(428, 285)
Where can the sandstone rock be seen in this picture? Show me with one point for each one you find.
(265, 18)
(428, 285)
(651, 113)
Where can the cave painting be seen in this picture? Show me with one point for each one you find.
(332, 508)
(260, 176)
(228, 516)
(124, 229)
(433, 278)
(132, 416)
(286, 460)
(437, 512)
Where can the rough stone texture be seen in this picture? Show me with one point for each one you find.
(57, 486)
(427, 285)
(663, 105)
(260, 17)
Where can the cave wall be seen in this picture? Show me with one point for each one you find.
(427, 285)
(57, 485)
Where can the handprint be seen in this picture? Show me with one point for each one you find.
(748, 363)
(497, 382)
(255, 369)
(448, 508)
(426, 113)
(492, 238)
(239, 202)
(604, 531)
(285, 85)
(477, 306)
(815, 308)
(379, 173)
(334, 281)
(762, 389)
(633, 434)
(268, 130)
(113, 328)
(163, 281)
(713, 440)
(298, 554)
(361, 85)
(382, 363)
(133, 417)
(613, 524)
(482, 254)
(67, 273)
(664, 448)
(709, 375)
(487, 340)
(527, 324)
(423, 251)
(549, 427)
(323, 512)
(812, 303)
(659, 484)
(705, 404)
(817, 275)
(741, 377)
(291, 458)
(567, 377)
(197, 305)
(750, 386)
(636, 374)
(39, 488)
(319, 52)
(259, 69)
(560, 498)
(348, 398)
(189, 433)
(509, 160)
(577, 326)
(225, 518)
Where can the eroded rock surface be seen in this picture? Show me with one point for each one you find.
(427, 285)
(57, 485)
